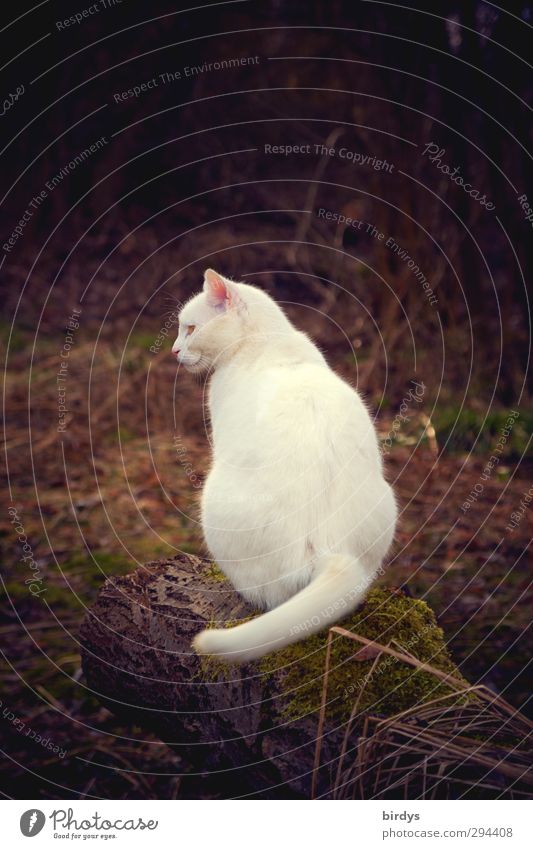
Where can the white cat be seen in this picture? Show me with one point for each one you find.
(295, 509)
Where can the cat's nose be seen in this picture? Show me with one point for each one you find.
(175, 351)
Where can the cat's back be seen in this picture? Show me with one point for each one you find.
(288, 407)
(310, 398)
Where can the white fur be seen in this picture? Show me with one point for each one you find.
(295, 509)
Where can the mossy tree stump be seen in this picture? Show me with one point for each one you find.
(254, 726)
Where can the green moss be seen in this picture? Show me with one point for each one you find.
(15, 590)
(141, 339)
(188, 547)
(387, 617)
(16, 338)
(469, 429)
(53, 594)
(96, 569)
(120, 434)
(215, 573)
(125, 435)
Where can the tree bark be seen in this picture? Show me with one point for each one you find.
(137, 658)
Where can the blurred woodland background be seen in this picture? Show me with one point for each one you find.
(119, 235)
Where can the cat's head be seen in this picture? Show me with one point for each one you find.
(212, 324)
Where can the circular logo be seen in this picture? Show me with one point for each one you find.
(31, 822)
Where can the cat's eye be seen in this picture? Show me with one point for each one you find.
(190, 329)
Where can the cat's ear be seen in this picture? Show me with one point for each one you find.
(221, 293)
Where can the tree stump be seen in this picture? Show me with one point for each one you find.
(254, 726)
(137, 658)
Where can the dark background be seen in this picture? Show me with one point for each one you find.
(182, 183)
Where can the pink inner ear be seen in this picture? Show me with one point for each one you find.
(217, 291)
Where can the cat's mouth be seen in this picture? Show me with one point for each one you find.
(191, 363)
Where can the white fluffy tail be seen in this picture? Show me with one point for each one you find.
(339, 586)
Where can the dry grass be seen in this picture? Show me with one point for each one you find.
(467, 744)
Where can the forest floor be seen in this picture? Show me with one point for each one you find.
(120, 486)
